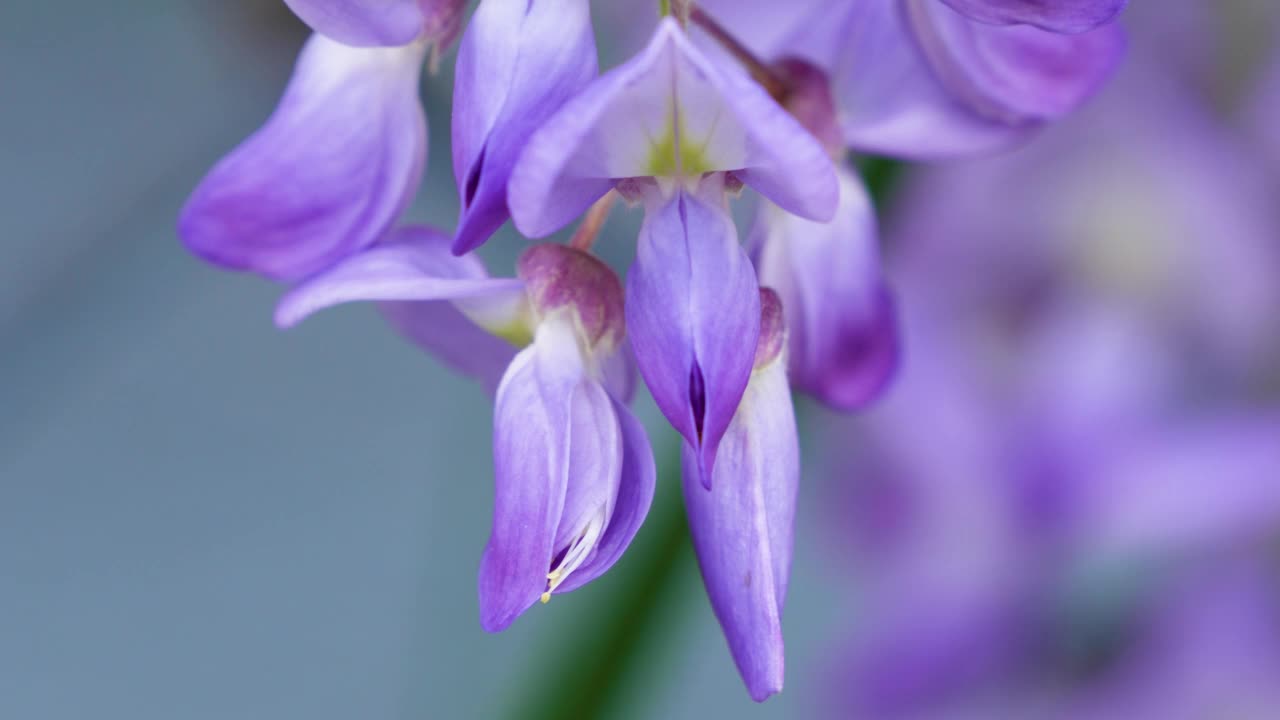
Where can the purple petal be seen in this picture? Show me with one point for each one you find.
(532, 455)
(620, 373)
(635, 495)
(362, 23)
(1014, 74)
(742, 527)
(518, 63)
(594, 474)
(414, 264)
(1064, 16)
(327, 175)
(889, 100)
(411, 272)
(841, 323)
(693, 310)
(666, 106)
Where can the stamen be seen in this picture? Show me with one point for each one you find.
(577, 553)
(773, 83)
(585, 236)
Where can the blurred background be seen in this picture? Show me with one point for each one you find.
(1068, 505)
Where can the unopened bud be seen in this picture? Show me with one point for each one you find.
(810, 102)
(773, 328)
(558, 276)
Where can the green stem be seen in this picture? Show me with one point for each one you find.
(882, 176)
(587, 679)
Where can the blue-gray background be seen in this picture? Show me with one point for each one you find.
(202, 517)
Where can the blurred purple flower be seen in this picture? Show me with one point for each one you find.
(1067, 16)
(918, 79)
(1207, 646)
(1134, 236)
(1088, 370)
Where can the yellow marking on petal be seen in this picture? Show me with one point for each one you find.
(669, 157)
(516, 333)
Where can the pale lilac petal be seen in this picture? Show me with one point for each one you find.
(742, 527)
(630, 120)
(414, 264)
(364, 23)
(595, 467)
(841, 322)
(635, 495)
(620, 373)
(1066, 16)
(414, 274)
(453, 338)
(693, 311)
(1014, 74)
(327, 175)
(889, 100)
(518, 63)
(532, 456)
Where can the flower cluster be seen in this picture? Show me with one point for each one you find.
(726, 96)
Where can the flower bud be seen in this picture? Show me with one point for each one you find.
(773, 329)
(558, 277)
(809, 100)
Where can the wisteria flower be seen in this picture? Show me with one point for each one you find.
(328, 174)
(573, 470)
(742, 526)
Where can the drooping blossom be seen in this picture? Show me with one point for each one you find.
(742, 525)
(574, 473)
